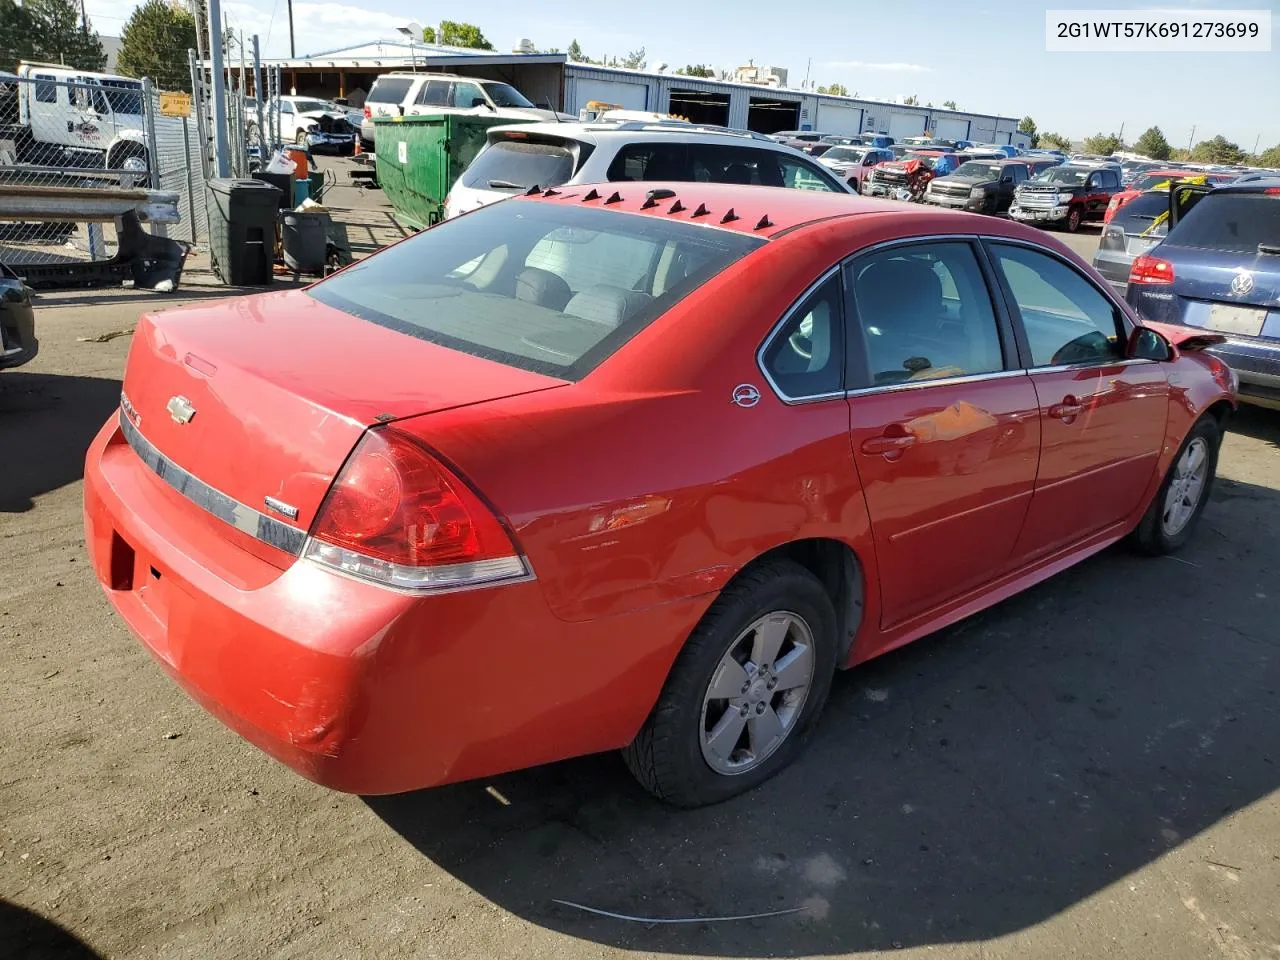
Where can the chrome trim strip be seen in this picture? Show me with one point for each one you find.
(244, 518)
(939, 382)
(777, 328)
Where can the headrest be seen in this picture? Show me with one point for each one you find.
(608, 306)
(543, 288)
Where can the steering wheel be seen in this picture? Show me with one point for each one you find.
(801, 339)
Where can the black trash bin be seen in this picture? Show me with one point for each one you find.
(283, 182)
(242, 230)
(304, 239)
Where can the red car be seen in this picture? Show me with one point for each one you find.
(629, 466)
(1152, 178)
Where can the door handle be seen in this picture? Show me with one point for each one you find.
(1068, 409)
(70, 127)
(888, 444)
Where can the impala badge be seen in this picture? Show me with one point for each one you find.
(180, 409)
(746, 395)
(282, 508)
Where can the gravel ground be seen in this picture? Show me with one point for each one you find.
(1088, 770)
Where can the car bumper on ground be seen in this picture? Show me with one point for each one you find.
(356, 687)
(336, 142)
(18, 343)
(1039, 214)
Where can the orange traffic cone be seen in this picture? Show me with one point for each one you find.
(359, 148)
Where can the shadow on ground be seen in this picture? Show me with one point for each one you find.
(28, 936)
(46, 425)
(1258, 423)
(973, 784)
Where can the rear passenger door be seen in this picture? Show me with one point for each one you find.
(1102, 417)
(943, 422)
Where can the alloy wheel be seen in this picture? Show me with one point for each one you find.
(757, 693)
(1186, 488)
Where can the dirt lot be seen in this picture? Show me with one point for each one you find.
(1089, 770)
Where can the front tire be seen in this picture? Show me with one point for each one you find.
(744, 693)
(1171, 519)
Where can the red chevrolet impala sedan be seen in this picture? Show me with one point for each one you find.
(631, 466)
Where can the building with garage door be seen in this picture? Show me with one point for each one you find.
(768, 109)
(550, 81)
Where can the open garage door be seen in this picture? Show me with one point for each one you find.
(700, 106)
(839, 118)
(771, 114)
(630, 96)
(951, 128)
(903, 125)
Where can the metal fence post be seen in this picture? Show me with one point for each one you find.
(191, 180)
(261, 97)
(199, 96)
(151, 103)
(221, 151)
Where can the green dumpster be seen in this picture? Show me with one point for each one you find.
(420, 157)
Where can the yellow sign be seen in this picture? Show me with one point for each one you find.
(175, 104)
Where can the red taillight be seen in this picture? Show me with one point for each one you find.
(1148, 269)
(397, 516)
(368, 112)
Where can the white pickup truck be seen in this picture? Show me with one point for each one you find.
(60, 117)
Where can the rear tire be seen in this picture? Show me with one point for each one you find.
(1171, 518)
(670, 755)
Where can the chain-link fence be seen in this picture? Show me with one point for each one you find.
(61, 132)
(179, 168)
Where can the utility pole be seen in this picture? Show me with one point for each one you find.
(1191, 139)
(292, 52)
(221, 154)
(1256, 142)
(84, 18)
(1121, 134)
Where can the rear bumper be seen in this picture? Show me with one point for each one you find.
(355, 687)
(1114, 266)
(18, 343)
(1257, 366)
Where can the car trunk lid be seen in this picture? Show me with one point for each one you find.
(262, 398)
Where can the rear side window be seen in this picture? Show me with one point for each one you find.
(519, 165)
(389, 90)
(434, 93)
(652, 161)
(546, 287)
(1230, 221)
(805, 358)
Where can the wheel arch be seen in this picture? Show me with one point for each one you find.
(837, 567)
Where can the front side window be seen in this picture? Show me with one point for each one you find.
(548, 287)
(805, 358)
(801, 176)
(1066, 318)
(925, 313)
(46, 89)
(465, 95)
(505, 95)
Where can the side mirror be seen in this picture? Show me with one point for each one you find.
(479, 102)
(1146, 344)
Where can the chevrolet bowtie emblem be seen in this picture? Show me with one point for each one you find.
(180, 409)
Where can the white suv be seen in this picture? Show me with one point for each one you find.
(396, 94)
(517, 158)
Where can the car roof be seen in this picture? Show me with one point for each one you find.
(409, 75)
(631, 131)
(1266, 185)
(757, 211)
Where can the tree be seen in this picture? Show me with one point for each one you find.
(154, 44)
(1028, 126)
(634, 60)
(1055, 141)
(697, 70)
(1269, 158)
(1153, 144)
(950, 104)
(59, 37)
(835, 89)
(1217, 150)
(16, 34)
(575, 53)
(1102, 144)
(455, 34)
(911, 101)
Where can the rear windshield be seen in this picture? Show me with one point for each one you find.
(389, 90)
(519, 165)
(546, 287)
(1230, 221)
(1140, 214)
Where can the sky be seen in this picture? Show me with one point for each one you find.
(987, 55)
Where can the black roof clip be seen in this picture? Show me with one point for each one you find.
(730, 217)
(764, 222)
(533, 191)
(676, 207)
(551, 192)
(615, 197)
(592, 194)
(702, 210)
(660, 193)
